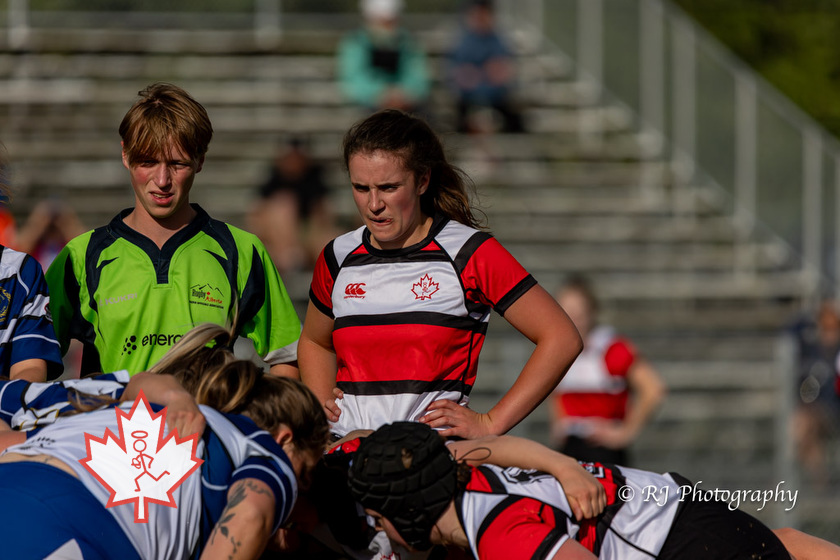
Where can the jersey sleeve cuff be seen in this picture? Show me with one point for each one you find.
(283, 355)
(284, 490)
(515, 293)
(319, 305)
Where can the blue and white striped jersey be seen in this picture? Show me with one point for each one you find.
(26, 329)
(27, 406)
(232, 448)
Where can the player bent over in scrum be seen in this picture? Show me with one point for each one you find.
(262, 435)
(407, 479)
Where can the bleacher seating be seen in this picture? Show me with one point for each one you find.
(669, 279)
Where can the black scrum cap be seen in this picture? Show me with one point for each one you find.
(404, 472)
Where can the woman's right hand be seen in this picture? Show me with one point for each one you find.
(183, 414)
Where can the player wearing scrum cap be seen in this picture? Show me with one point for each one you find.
(409, 482)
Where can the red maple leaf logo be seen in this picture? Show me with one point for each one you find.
(141, 466)
(425, 288)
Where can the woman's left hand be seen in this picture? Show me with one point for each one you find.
(459, 420)
(586, 496)
(331, 406)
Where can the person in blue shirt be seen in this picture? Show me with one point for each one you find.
(482, 71)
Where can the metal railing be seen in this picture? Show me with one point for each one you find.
(719, 124)
(718, 121)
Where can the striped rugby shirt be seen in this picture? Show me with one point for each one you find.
(232, 447)
(410, 323)
(515, 514)
(28, 406)
(26, 330)
(596, 383)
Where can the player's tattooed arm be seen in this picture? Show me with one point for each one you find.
(245, 525)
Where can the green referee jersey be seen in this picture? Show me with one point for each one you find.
(129, 301)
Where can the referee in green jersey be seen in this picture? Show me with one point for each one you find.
(130, 289)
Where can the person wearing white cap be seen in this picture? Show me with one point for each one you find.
(381, 9)
(381, 65)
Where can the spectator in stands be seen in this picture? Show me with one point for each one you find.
(818, 411)
(609, 393)
(8, 228)
(292, 215)
(28, 346)
(49, 227)
(381, 65)
(482, 73)
(130, 289)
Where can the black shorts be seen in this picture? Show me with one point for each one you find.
(709, 530)
(583, 451)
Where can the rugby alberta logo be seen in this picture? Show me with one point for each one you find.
(355, 290)
(425, 288)
(206, 294)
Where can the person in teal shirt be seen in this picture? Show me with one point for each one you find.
(130, 289)
(381, 65)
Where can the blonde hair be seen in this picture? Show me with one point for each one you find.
(165, 115)
(203, 362)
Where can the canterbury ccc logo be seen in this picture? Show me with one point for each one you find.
(354, 290)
